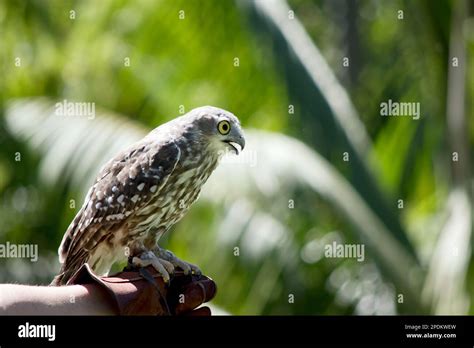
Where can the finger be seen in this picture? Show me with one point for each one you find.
(194, 294)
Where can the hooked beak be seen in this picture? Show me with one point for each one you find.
(237, 146)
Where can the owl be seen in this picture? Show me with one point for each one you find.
(144, 190)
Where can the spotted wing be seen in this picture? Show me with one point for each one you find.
(124, 184)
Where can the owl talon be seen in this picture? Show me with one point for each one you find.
(167, 265)
(163, 267)
(188, 268)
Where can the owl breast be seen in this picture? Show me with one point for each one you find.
(144, 227)
(173, 201)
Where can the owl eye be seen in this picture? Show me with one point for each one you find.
(223, 127)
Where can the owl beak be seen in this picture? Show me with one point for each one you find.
(237, 146)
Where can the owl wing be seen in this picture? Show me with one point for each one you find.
(124, 184)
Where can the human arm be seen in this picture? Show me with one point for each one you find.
(88, 299)
(127, 293)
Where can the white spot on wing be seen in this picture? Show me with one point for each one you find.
(120, 199)
(141, 186)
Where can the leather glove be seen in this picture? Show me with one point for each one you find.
(143, 292)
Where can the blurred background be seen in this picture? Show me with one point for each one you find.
(306, 78)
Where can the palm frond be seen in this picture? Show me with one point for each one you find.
(329, 121)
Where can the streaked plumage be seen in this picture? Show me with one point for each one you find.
(146, 189)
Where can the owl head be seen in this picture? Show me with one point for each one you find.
(220, 128)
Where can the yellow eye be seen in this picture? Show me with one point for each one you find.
(223, 127)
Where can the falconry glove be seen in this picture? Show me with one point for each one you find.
(144, 190)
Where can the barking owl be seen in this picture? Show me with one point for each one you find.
(146, 189)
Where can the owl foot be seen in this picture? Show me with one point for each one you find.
(162, 266)
(187, 267)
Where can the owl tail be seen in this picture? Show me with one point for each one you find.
(70, 264)
(63, 277)
(68, 269)
(57, 280)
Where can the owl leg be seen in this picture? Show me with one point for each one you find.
(167, 255)
(162, 266)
